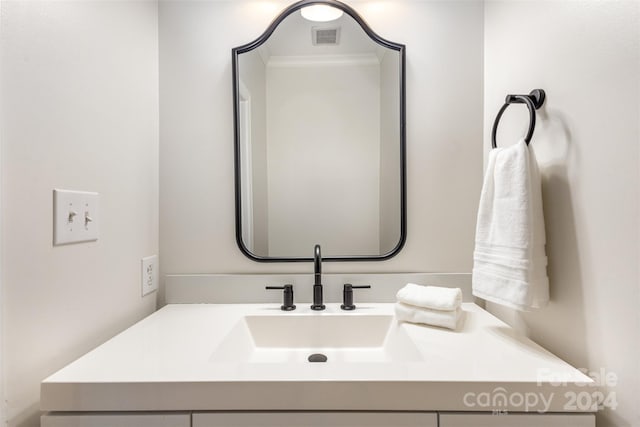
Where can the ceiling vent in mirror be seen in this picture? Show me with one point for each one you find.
(325, 36)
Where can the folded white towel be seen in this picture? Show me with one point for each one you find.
(445, 319)
(509, 258)
(433, 297)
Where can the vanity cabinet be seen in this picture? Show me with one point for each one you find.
(316, 419)
(517, 420)
(388, 419)
(106, 419)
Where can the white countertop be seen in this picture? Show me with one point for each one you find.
(165, 362)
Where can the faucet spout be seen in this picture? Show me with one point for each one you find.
(317, 280)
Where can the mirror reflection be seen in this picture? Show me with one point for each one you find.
(319, 140)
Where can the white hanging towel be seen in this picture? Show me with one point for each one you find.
(509, 261)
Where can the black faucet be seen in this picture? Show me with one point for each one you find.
(317, 280)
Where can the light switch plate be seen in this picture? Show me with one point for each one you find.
(75, 216)
(149, 274)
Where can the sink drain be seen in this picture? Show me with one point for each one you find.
(317, 357)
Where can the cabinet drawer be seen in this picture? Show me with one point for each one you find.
(315, 419)
(517, 420)
(116, 420)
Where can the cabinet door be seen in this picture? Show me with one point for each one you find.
(116, 420)
(315, 419)
(517, 420)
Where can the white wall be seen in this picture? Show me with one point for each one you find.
(323, 158)
(79, 111)
(586, 55)
(3, 406)
(444, 124)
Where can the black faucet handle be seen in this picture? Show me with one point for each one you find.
(347, 295)
(287, 303)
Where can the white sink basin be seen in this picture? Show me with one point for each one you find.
(288, 337)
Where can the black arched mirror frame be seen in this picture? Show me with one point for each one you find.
(400, 48)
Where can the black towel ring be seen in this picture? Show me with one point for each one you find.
(534, 100)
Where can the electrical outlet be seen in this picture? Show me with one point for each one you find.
(75, 216)
(149, 274)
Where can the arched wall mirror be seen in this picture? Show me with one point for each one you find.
(319, 110)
